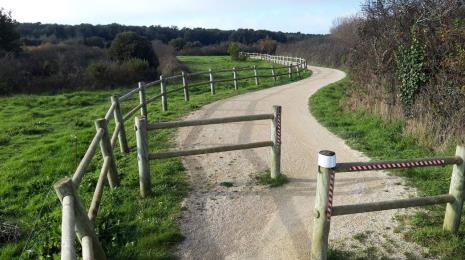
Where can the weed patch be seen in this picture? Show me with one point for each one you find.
(265, 179)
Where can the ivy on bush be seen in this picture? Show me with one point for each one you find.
(411, 64)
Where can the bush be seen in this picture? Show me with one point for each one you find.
(233, 51)
(169, 64)
(128, 45)
(267, 45)
(47, 68)
(111, 73)
(178, 43)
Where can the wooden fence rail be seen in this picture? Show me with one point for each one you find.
(327, 169)
(75, 219)
(144, 155)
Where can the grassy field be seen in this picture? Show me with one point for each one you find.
(381, 139)
(42, 138)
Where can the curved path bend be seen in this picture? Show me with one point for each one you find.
(249, 221)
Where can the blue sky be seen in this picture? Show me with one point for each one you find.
(306, 16)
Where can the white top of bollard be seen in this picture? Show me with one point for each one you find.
(327, 159)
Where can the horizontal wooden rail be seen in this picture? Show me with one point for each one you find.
(95, 204)
(222, 70)
(394, 204)
(270, 68)
(198, 73)
(249, 77)
(174, 90)
(128, 95)
(150, 100)
(131, 112)
(149, 84)
(222, 80)
(110, 111)
(396, 164)
(82, 167)
(199, 84)
(173, 77)
(114, 137)
(218, 149)
(211, 121)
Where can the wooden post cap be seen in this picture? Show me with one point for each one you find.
(327, 159)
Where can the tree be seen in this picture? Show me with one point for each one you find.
(128, 45)
(267, 45)
(95, 41)
(195, 44)
(178, 43)
(9, 37)
(233, 50)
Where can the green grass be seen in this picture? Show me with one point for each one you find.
(381, 139)
(43, 137)
(265, 179)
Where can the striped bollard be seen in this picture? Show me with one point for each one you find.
(323, 204)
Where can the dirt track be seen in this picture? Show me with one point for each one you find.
(248, 221)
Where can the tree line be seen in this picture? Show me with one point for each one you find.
(37, 33)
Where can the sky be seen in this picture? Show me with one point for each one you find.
(306, 16)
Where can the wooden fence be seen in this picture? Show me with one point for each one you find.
(76, 221)
(144, 155)
(327, 169)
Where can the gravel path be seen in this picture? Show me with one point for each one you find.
(249, 221)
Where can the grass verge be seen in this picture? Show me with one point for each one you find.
(43, 137)
(265, 179)
(381, 139)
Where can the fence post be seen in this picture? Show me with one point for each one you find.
(105, 147)
(143, 156)
(87, 248)
(68, 251)
(273, 73)
(186, 86)
(276, 138)
(164, 97)
(323, 204)
(123, 141)
(457, 189)
(212, 83)
(235, 78)
(255, 74)
(290, 71)
(143, 100)
(298, 70)
(83, 227)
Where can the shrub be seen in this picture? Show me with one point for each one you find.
(233, 51)
(195, 44)
(178, 43)
(267, 45)
(137, 66)
(112, 73)
(411, 62)
(127, 45)
(98, 73)
(47, 68)
(169, 64)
